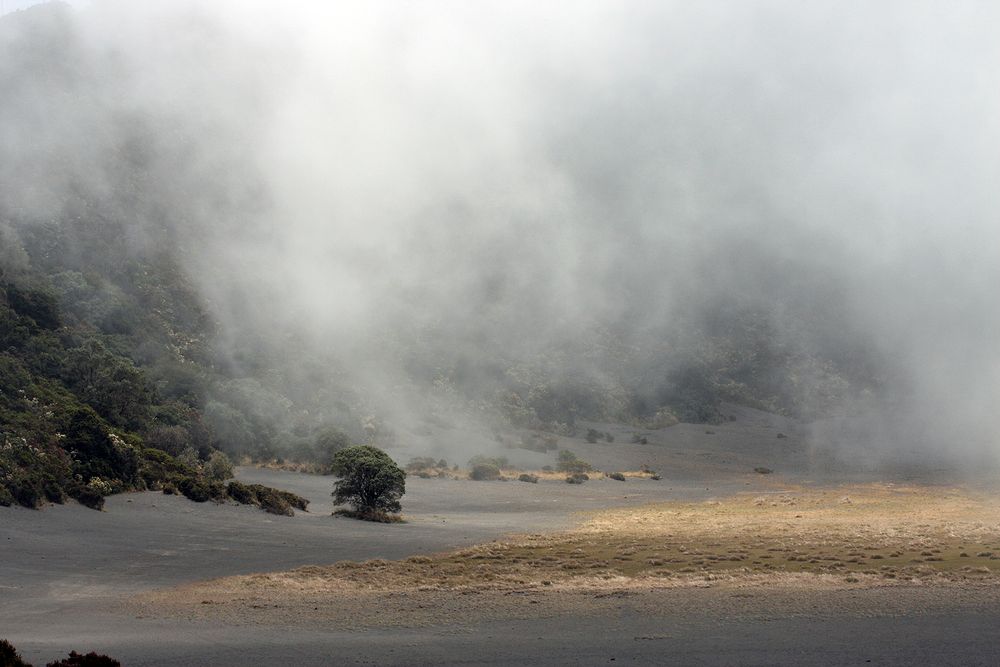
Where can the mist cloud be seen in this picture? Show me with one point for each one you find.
(373, 186)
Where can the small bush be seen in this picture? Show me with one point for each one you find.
(608, 437)
(616, 476)
(88, 497)
(655, 476)
(239, 492)
(218, 467)
(782, 436)
(593, 435)
(418, 463)
(577, 478)
(90, 660)
(273, 501)
(762, 470)
(568, 462)
(375, 515)
(526, 477)
(484, 472)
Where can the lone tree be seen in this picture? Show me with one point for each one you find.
(370, 480)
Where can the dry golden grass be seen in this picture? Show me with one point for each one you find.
(857, 536)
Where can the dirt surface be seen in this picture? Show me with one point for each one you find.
(158, 580)
(779, 550)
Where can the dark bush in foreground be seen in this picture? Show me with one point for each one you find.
(369, 479)
(577, 478)
(90, 660)
(762, 470)
(9, 657)
(484, 472)
(526, 477)
(616, 476)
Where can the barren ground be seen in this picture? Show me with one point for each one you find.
(712, 565)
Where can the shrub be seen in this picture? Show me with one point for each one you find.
(498, 461)
(484, 472)
(593, 435)
(9, 657)
(422, 463)
(90, 660)
(6, 499)
(218, 467)
(273, 501)
(369, 479)
(525, 477)
(88, 497)
(241, 493)
(577, 478)
(201, 490)
(568, 462)
(616, 476)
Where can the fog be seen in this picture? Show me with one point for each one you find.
(386, 199)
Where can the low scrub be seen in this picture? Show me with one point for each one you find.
(484, 472)
(616, 476)
(9, 657)
(577, 478)
(568, 462)
(527, 477)
(273, 501)
(377, 516)
(89, 660)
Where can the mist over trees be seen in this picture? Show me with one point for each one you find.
(245, 227)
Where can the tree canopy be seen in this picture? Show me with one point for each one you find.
(369, 479)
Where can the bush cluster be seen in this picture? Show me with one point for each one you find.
(567, 461)
(9, 657)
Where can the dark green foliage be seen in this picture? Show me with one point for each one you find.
(97, 452)
(577, 478)
(369, 480)
(89, 660)
(9, 657)
(617, 476)
(201, 490)
(593, 435)
(37, 304)
(568, 462)
(274, 501)
(527, 477)
(88, 497)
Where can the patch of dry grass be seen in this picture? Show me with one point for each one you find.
(857, 536)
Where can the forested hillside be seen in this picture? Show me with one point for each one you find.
(139, 336)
